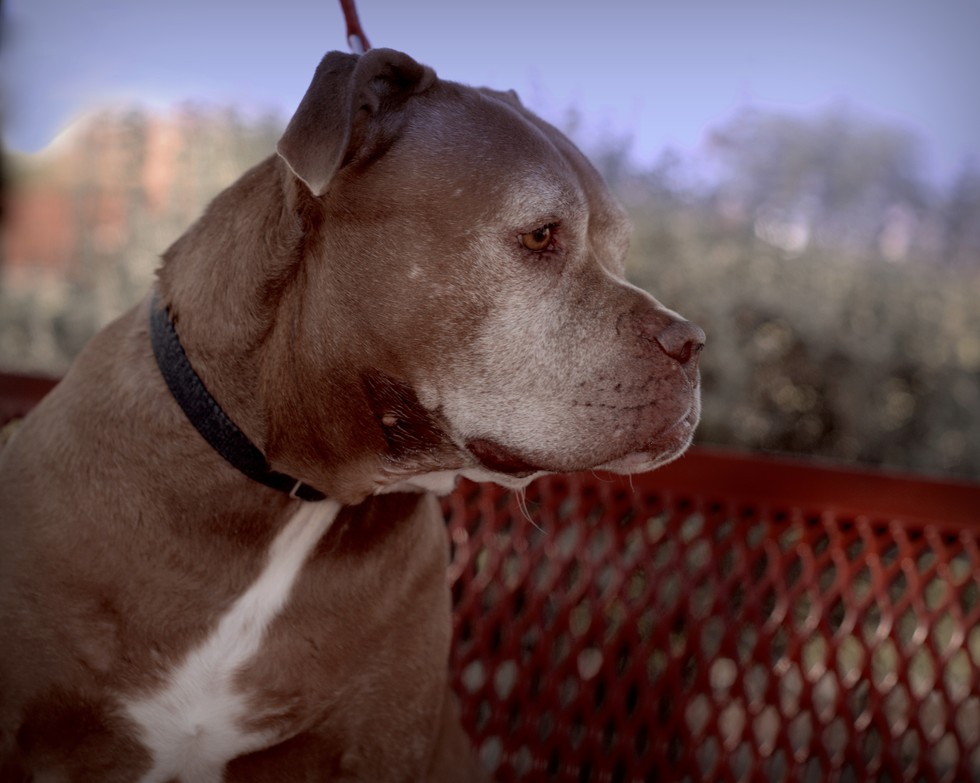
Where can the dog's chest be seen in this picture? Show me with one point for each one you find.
(196, 723)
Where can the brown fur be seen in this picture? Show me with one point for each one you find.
(333, 300)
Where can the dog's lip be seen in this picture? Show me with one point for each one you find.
(499, 459)
(667, 445)
(645, 461)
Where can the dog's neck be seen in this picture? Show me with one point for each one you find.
(203, 411)
(221, 285)
(234, 328)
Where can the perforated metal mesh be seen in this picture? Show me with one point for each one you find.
(644, 635)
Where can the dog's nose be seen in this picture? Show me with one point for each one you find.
(682, 341)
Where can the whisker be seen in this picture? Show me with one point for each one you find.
(521, 497)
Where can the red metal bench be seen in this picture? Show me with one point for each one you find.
(724, 618)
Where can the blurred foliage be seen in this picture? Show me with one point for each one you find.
(838, 288)
(832, 177)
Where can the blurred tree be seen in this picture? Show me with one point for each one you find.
(836, 178)
(961, 229)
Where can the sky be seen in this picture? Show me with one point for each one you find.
(660, 72)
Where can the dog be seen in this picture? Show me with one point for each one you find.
(222, 552)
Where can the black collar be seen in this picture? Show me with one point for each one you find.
(206, 415)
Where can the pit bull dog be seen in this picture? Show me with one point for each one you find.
(222, 559)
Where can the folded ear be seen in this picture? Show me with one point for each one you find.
(348, 94)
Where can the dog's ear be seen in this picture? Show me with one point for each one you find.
(348, 94)
(507, 96)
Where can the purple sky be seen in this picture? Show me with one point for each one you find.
(661, 71)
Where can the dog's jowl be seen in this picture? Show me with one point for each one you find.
(220, 558)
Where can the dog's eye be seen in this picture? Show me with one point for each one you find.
(537, 240)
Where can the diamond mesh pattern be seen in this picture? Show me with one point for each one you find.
(637, 635)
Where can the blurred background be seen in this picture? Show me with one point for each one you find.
(804, 182)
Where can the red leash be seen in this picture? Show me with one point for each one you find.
(356, 38)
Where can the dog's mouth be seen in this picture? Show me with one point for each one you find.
(659, 450)
(499, 459)
(668, 446)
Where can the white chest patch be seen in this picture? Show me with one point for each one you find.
(192, 726)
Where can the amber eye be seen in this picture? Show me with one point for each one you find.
(537, 240)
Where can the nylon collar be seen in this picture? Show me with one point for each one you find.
(203, 411)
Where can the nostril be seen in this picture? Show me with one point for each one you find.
(681, 340)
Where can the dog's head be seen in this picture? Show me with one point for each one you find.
(494, 332)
